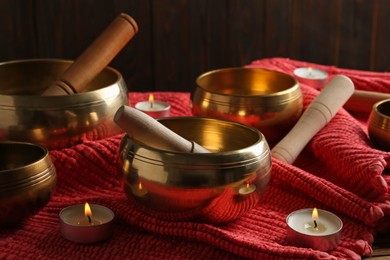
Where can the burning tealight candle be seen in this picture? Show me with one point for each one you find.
(246, 189)
(86, 223)
(311, 76)
(317, 229)
(140, 191)
(153, 108)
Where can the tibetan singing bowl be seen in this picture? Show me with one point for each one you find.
(56, 121)
(268, 100)
(27, 180)
(213, 187)
(379, 125)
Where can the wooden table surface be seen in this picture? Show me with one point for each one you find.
(381, 248)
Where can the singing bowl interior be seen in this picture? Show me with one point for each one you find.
(186, 184)
(27, 180)
(268, 100)
(56, 121)
(379, 125)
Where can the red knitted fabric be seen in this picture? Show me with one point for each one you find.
(336, 173)
(349, 158)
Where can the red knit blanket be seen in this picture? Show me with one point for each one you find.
(339, 171)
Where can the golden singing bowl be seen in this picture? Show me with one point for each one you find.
(56, 121)
(227, 182)
(27, 180)
(379, 125)
(268, 100)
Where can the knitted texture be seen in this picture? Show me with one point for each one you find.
(343, 145)
(343, 175)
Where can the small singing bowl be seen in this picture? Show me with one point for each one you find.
(379, 125)
(56, 121)
(212, 187)
(27, 180)
(268, 100)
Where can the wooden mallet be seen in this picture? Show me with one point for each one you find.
(95, 58)
(321, 110)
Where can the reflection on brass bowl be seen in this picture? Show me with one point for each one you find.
(56, 121)
(379, 125)
(268, 100)
(213, 187)
(27, 180)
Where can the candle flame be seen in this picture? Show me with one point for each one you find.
(247, 186)
(140, 186)
(314, 215)
(309, 69)
(151, 100)
(87, 210)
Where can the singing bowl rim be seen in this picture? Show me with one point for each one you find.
(58, 102)
(294, 87)
(377, 108)
(86, 115)
(29, 183)
(34, 164)
(234, 165)
(39, 169)
(378, 130)
(260, 141)
(377, 116)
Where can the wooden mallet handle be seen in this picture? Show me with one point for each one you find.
(95, 58)
(363, 100)
(314, 118)
(149, 131)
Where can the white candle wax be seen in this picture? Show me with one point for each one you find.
(154, 109)
(77, 227)
(322, 235)
(302, 221)
(311, 76)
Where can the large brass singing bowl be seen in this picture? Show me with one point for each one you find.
(56, 121)
(27, 180)
(268, 100)
(214, 187)
(379, 125)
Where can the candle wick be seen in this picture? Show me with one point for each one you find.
(151, 104)
(315, 224)
(89, 219)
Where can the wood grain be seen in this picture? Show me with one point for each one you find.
(179, 40)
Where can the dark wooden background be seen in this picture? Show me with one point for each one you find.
(180, 39)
